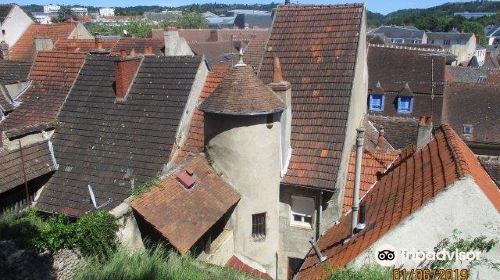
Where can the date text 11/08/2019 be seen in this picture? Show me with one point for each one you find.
(430, 274)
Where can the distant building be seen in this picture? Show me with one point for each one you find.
(469, 15)
(234, 13)
(400, 34)
(209, 14)
(107, 12)
(493, 34)
(220, 22)
(79, 12)
(169, 16)
(44, 18)
(462, 45)
(253, 21)
(51, 8)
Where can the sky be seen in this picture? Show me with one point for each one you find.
(380, 6)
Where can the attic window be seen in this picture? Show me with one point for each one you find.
(376, 102)
(405, 104)
(184, 177)
(481, 79)
(259, 225)
(468, 129)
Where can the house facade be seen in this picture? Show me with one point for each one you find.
(13, 23)
(462, 45)
(401, 34)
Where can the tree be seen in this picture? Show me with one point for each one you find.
(64, 14)
(476, 28)
(192, 20)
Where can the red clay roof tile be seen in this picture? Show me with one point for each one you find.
(317, 48)
(414, 182)
(186, 214)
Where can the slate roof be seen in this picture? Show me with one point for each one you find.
(23, 48)
(36, 158)
(4, 11)
(317, 47)
(449, 36)
(492, 30)
(218, 52)
(399, 32)
(472, 74)
(106, 144)
(394, 67)
(83, 45)
(401, 192)
(253, 20)
(13, 71)
(52, 76)
(478, 101)
(242, 93)
(492, 165)
(186, 214)
(128, 43)
(195, 142)
(400, 132)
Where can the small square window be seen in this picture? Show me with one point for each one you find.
(302, 211)
(468, 129)
(259, 225)
(376, 102)
(405, 104)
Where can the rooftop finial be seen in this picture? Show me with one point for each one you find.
(240, 62)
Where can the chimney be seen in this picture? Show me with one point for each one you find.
(171, 41)
(357, 177)
(42, 44)
(283, 90)
(424, 131)
(148, 50)
(185, 178)
(4, 51)
(98, 44)
(317, 251)
(214, 36)
(380, 139)
(125, 70)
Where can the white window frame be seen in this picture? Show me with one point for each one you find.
(302, 223)
(468, 129)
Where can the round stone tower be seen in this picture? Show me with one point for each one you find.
(243, 139)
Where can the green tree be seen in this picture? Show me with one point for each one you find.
(64, 14)
(192, 20)
(476, 28)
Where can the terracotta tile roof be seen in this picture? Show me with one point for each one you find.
(395, 67)
(52, 76)
(186, 214)
(128, 43)
(13, 71)
(195, 140)
(317, 48)
(106, 143)
(83, 45)
(473, 104)
(23, 49)
(254, 53)
(399, 193)
(36, 158)
(242, 93)
(400, 132)
(235, 263)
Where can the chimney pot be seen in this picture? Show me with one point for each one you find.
(277, 73)
(123, 54)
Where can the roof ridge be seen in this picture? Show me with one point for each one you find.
(458, 158)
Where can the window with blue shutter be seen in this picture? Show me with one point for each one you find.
(405, 104)
(376, 102)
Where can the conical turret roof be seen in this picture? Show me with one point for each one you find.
(242, 93)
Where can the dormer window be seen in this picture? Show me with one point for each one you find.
(468, 129)
(481, 79)
(376, 102)
(405, 104)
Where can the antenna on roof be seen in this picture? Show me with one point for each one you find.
(92, 197)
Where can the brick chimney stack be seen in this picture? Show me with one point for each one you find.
(125, 70)
(380, 139)
(148, 50)
(4, 51)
